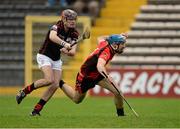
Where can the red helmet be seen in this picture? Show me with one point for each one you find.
(69, 14)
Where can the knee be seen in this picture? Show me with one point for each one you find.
(117, 94)
(55, 85)
(49, 81)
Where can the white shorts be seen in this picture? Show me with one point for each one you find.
(44, 60)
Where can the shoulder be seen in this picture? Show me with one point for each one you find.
(57, 25)
(102, 44)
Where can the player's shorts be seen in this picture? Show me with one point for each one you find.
(83, 83)
(44, 60)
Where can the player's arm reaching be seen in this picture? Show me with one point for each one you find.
(117, 43)
(53, 37)
(102, 70)
(83, 36)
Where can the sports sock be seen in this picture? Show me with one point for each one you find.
(61, 83)
(29, 89)
(38, 107)
(120, 112)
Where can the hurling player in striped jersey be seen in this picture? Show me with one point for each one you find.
(58, 39)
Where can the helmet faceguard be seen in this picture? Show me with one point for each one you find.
(69, 18)
(117, 42)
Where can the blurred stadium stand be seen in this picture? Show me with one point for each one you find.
(154, 38)
(116, 17)
(12, 14)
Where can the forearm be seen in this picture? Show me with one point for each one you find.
(105, 74)
(101, 68)
(57, 40)
(102, 71)
(53, 37)
(71, 52)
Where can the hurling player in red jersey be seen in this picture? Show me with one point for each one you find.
(58, 39)
(93, 72)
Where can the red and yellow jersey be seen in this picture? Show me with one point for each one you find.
(89, 67)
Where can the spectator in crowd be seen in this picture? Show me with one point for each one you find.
(90, 7)
(62, 3)
(82, 7)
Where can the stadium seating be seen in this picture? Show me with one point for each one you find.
(154, 38)
(164, 2)
(12, 14)
(116, 17)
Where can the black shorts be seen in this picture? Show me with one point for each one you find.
(83, 83)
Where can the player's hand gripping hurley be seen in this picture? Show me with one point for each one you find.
(85, 35)
(135, 113)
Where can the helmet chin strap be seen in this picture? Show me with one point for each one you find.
(116, 49)
(113, 47)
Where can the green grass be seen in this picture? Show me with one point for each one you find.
(91, 113)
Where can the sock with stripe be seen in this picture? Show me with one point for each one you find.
(29, 89)
(39, 106)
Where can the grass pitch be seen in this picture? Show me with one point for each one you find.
(91, 113)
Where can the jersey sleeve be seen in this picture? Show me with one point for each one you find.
(54, 27)
(105, 55)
